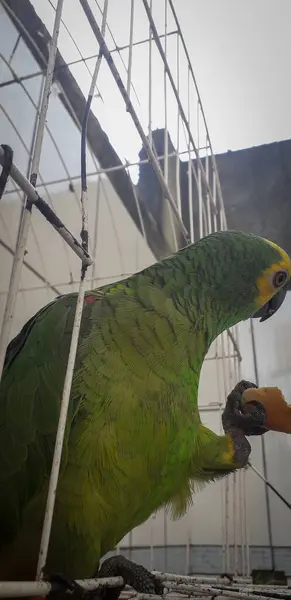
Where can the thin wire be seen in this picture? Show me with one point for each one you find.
(87, 110)
(272, 487)
(200, 199)
(246, 523)
(190, 195)
(117, 49)
(166, 136)
(150, 98)
(165, 532)
(234, 499)
(130, 53)
(95, 232)
(178, 187)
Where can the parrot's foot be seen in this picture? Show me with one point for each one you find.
(116, 566)
(238, 424)
(250, 419)
(134, 575)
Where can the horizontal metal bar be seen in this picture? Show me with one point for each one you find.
(197, 578)
(209, 408)
(47, 212)
(125, 165)
(20, 589)
(84, 59)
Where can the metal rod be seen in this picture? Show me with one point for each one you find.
(234, 499)
(178, 187)
(265, 470)
(20, 589)
(150, 99)
(26, 214)
(60, 434)
(130, 47)
(166, 137)
(288, 504)
(246, 525)
(129, 107)
(190, 195)
(126, 165)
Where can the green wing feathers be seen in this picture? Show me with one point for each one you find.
(30, 396)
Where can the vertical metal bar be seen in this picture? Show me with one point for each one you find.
(241, 513)
(152, 542)
(208, 208)
(227, 557)
(26, 213)
(178, 187)
(166, 137)
(165, 542)
(264, 457)
(200, 200)
(190, 191)
(95, 233)
(130, 48)
(235, 557)
(51, 497)
(150, 134)
(130, 536)
(60, 435)
(246, 525)
(188, 547)
(214, 200)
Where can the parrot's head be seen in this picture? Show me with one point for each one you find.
(248, 275)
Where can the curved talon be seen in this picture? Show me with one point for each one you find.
(252, 421)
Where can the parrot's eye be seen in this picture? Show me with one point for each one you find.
(279, 279)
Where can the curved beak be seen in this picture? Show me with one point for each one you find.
(269, 309)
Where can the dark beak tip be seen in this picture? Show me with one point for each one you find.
(269, 309)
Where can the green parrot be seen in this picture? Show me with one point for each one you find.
(134, 440)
